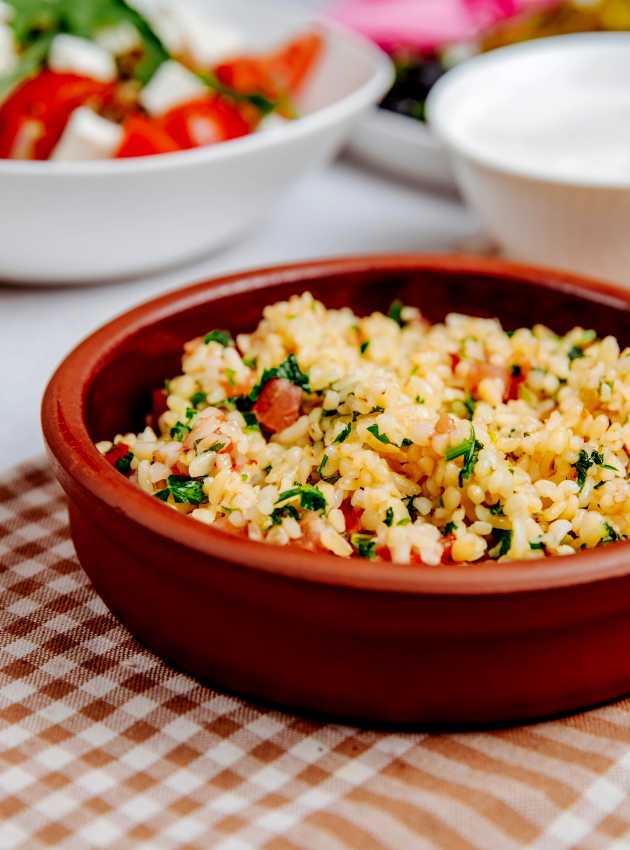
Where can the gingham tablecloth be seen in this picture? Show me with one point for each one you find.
(102, 745)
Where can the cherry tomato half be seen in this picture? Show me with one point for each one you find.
(204, 122)
(144, 137)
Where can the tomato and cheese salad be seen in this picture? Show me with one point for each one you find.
(102, 79)
(388, 438)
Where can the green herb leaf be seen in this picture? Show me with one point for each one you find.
(216, 447)
(183, 490)
(198, 398)
(574, 353)
(612, 535)
(470, 404)
(289, 369)
(224, 338)
(496, 509)
(412, 510)
(389, 517)
(322, 464)
(405, 521)
(123, 464)
(343, 435)
(406, 443)
(538, 544)
(375, 431)
(278, 514)
(364, 346)
(180, 431)
(251, 421)
(449, 528)
(250, 362)
(395, 312)
(469, 449)
(503, 536)
(365, 545)
(311, 497)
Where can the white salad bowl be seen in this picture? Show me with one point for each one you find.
(539, 138)
(81, 222)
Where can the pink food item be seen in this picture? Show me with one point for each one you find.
(425, 25)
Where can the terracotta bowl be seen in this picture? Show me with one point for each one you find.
(373, 642)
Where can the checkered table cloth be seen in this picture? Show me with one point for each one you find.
(102, 745)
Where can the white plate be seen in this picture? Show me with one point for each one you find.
(402, 146)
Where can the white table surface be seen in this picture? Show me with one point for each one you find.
(341, 210)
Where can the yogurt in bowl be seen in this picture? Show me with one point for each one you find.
(539, 138)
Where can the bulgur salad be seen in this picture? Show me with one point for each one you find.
(393, 439)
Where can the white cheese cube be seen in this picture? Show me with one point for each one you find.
(73, 55)
(162, 18)
(119, 39)
(6, 12)
(8, 50)
(272, 122)
(207, 41)
(171, 84)
(88, 136)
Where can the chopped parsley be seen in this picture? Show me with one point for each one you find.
(395, 312)
(612, 535)
(419, 400)
(230, 375)
(198, 398)
(224, 338)
(343, 435)
(574, 353)
(251, 421)
(584, 463)
(469, 450)
(180, 431)
(389, 517)
(377, 409)
(404, 521)
(250, 362)
(496, 509)
(470, 404)
(364, 346)
(516, 370)
(289, 370)
(322, 464)
(537, 544)
(449, 528)
(123, 464)
(311, 497)
(412, 510)
(278, 514)
(503, 536)
(375, 431)
(184, 490)
(267, 469)
(406, 442)
(365, 545)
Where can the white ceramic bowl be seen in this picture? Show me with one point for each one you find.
(552, 212)
(89, 221)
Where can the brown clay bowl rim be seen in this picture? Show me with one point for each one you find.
(69, 442)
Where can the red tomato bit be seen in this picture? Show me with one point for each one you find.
(278, 404)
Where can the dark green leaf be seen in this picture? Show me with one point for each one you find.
(389, 517)
(123, 464)
(289, 369)
(449, 528)
(395, 312)
(375, 431)
(251, 421)
(278, 514)
(180, 431)
(365, 545)
(322, 464)
(496, 509)
(198, 398)
(343, 434)
(574, 353)
(406, 442)
(612, 535)
(311, 497)
(503, 536)
(364, 346)
(222, 337)
(537, 545)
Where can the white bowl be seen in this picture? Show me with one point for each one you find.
(554, 210)
(89, 221)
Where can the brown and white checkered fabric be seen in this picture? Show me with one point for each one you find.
(104, 746)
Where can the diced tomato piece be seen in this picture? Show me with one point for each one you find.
(291, 65)
(352, 516)
(448, 546)
(205, 122)
(383, 553)
(455, 359)
(481, 371)
(517, 379)
(35, 114)
(276, 74)
(278, 404)
(116, 453)
(144, 137)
